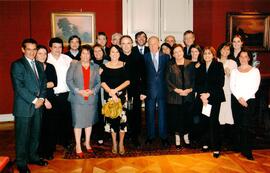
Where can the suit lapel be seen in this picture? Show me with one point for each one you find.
(150, 61)
(29, 68)
(91, 75)
(79, 72)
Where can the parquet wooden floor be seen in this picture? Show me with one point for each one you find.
(229, 162)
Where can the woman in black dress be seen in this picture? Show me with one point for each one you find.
(114, 80)
(48, 137)
(180, 83)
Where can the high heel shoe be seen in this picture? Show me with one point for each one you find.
(89, 150)
(80, 155)
(114, 150)
(122, 152)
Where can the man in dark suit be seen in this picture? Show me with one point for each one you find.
(29, 86)
(140, 48)
(155, 67)
(136, 75)
(189, 39)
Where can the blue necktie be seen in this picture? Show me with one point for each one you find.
(155, 62)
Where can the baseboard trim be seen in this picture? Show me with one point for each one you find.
(6, 117)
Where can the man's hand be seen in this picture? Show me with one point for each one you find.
(39, 103)
(50, 84)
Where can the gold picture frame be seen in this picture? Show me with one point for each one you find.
(254, 27)
(66, 24)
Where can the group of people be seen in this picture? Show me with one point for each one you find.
(57, 95)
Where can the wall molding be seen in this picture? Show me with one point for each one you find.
(6, 117)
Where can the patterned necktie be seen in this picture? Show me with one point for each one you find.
(34, 69)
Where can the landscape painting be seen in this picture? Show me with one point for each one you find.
(67, 24)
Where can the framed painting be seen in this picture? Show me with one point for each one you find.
(66, 24)
(253, 27)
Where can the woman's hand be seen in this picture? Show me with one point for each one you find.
(115, 98)
(112, 92)
(83, 93)
(242, 102)
(204, 97)
(89, 92)
(47, 104)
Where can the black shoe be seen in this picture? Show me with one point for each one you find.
(249, 156)
(49, 157)
(148, 141)
(205, 148)
(165, 142)
(178, 147)
(136, 143)
(100, 142)
(39, 162)
(24, 169)
(216, 154)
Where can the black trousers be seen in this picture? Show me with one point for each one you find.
(27, 133)
(99, 126)
(243, 128)
(210, 128)
(48, 137)
(63, 119)
(134, 118)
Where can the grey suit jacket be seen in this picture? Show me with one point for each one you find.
(26, 87)
(75, 83)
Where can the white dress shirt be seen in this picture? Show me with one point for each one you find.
(61, 66)
(246, 84)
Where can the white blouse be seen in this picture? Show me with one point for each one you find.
(245, 84)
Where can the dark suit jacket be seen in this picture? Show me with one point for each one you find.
(155, 84)
(26, 87)
(211, 81)
(187, 53)
(174, 80)
(51, 77)
(136, 70)
(136, 50)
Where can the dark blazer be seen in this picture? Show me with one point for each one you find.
(136, 50)
(77, 57)
(155, 83)
(75, 83)
(136, 70)
(26, 87)
(187, 52)
(211, 81)
(174, 80)
(51, 77)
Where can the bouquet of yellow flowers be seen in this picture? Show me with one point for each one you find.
(112, 109)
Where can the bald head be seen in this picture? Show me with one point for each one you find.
(153, 43)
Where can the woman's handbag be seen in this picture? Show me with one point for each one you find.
(112, 109)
